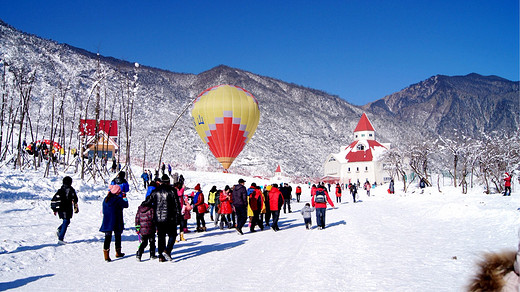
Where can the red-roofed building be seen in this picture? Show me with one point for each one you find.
(88, 127)
(359, 161)
(105, 144)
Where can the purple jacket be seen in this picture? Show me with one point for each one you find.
(144, 218)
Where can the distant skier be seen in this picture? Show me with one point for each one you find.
(64, 202)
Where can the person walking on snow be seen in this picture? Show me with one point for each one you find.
(275, 205)
(353, 191)
(64, 202)
(167, 211)
(121, 181)
(257, 204)
(113, 206)
(507, 184)
(338, 193)
(211, 201)
(145, 178)
(298, 193)
(307, 214)
(319, 201)
(287, 193)
(240, 204)
(145, 227)
(367, 187)
(200, 209)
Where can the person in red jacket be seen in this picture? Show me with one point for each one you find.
(200, 209)
(338, 193)
(225, 209)
(319, 201)
(507, 184)
(298, 193)
(256, 203)
(275, 204)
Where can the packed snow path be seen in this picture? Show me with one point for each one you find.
(401, 242)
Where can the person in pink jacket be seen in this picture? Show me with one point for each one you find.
(319, 201)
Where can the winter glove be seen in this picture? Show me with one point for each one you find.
(76, 208)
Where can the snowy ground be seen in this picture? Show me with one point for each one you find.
(401, 242)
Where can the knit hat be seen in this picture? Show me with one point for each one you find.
(67, 181)
(114, 189)
(197, 187)
(165, 178)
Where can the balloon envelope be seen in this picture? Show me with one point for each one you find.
(225, 118)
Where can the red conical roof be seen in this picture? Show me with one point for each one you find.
(278, 169)
(364, 124)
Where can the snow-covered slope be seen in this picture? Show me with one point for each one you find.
(401, 242)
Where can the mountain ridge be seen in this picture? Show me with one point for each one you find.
(299, 126)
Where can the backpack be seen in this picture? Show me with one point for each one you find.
(56, 202)
(320, 197)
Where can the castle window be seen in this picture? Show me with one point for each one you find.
(356, 136)
(370, 135)
(357, 169)
(349, 169)
(360, 147)
(362, 135)
(332, 159)
(366, 168)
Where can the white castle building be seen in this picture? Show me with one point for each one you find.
(359, 161)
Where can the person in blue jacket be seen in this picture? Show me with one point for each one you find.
(113, 206)
(121, 181)
(145, 178)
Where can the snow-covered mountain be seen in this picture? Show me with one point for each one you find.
(298, 126)
(473, 103)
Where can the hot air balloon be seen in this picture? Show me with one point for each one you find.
(225, 117)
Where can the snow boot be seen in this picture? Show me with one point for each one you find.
(166, 256)
(182, 236)
(138, 256)
(106, 254)
(119, 254)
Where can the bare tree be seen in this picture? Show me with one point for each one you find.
(395, 165)
(24, 79)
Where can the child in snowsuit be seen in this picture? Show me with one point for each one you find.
(307, 212)
(145, 227)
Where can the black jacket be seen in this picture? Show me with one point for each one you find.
(166, 204)
(239, 196)
(286, 192)
(67, 197)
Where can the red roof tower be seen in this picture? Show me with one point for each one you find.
(364, 124)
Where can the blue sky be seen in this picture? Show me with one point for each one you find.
(358, 50)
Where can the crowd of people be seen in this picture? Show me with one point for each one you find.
(167, 207)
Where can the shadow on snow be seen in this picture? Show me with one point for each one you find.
(21, 282)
